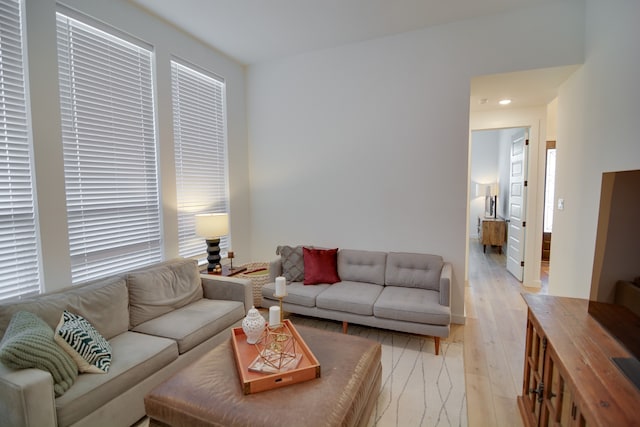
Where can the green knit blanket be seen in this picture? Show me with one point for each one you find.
(28, 343)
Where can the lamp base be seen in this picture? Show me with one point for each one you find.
(495, 207)
(213, 251)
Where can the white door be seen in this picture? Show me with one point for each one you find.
(517, 203)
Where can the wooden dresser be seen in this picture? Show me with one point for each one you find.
(569, 377)
(494, 233)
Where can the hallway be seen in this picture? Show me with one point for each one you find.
(494, 336)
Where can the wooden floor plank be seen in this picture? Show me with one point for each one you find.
(480, 407)
(494, 336)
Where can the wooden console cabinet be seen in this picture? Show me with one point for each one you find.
(569, 378)
(493, 233)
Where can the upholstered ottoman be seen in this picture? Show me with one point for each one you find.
(208, 393)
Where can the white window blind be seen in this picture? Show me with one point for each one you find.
(110, 163)
(19, 272)
(200, 153)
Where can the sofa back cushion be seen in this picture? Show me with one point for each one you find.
(104, 303)
(362, 266)
(162, 288)
(413, 270)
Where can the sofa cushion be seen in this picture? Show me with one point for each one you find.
(135, 357)
(28, 343)
(104, 303)
(85, 345)
(351, 297)
(320, 266)
(195, 323)
(297, 293)
(162, 288)
(412, 305)
(292, 262)
(413, 270)
(362, 266)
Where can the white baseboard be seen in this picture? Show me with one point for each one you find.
(457, 319)
(537, 284)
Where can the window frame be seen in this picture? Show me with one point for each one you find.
(20, 252)
(191, 145)
(114, 230)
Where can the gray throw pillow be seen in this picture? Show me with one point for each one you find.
(28, 343)
(292, 262)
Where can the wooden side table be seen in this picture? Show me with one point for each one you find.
(494, 233)
(226, 271)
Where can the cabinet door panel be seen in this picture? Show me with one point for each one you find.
(533, 371)
(556, 396)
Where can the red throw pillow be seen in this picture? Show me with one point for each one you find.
(320, 266)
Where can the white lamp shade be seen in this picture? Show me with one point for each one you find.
(486, 190)
(212, 225)
(493, 189)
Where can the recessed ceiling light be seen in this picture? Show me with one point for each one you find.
(504, 102)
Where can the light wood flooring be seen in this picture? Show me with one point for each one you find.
(494, 336)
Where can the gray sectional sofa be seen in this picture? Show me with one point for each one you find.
(157, 320)
(406, 292)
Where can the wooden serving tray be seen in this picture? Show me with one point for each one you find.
(255, 382)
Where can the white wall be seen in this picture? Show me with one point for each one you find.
(598, 110)
(484, 170)
(366, 146)
(43, 82)
(552, 120)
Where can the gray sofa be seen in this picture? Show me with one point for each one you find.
(405, 292)
(157, 320)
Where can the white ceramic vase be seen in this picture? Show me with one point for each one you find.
(253, 325)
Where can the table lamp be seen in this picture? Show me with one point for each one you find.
(212, 226)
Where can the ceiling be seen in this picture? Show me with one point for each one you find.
(530, 88)
(253, 31)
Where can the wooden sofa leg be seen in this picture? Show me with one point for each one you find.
(345, 325)
(437, 341)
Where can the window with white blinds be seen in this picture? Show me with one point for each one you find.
(19, 273)
(110, 165)
(200, 152)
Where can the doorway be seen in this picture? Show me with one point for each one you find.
(547, 218)
(549, 187)
(530, 101)
(492, 173)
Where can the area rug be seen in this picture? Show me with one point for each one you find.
(418, 387)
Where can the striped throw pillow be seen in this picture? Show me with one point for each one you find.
(89, 349)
